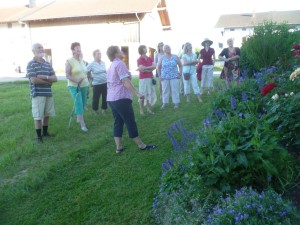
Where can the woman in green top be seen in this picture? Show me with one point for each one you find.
(76, 73)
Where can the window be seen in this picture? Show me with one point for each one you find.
(231, 29)
(9, 25)
(243, 29)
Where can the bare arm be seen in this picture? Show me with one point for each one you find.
(147, 68)
(50, 79)
(127, 83)
(69, 76)
(159, 68)
(191, 63)
(199, 58)
(214, 58)
(40, 80)
(179, 66)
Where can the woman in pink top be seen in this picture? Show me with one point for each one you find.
(146, 87)
(119, 98)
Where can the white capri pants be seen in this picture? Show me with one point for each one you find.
(207, 76)
(173, 86)
(187, 85)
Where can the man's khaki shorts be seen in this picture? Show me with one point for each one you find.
(42, 107)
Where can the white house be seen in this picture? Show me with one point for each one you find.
(239, 26)
(93, 23)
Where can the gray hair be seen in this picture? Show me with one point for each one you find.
(166, 46)
(34, 46)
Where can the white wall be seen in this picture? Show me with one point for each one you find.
(16, 42)
(15, 47)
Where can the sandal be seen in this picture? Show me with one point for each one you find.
(118, 151)
(149, 147)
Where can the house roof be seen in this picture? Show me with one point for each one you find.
(164, 15)
(252, 19)
(61, 9)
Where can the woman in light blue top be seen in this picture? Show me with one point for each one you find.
(97, 69)
(169, 70)
(190, 61)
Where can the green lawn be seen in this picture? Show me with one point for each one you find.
(76, 177)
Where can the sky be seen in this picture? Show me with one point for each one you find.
(194, 20)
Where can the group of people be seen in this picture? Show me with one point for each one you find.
(115, 86)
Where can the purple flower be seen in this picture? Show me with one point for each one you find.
(170, 162)
(219, 211)
(165, 166)
(233, 102)
(206, 122)
(219, 114)
(244, 97)
(236, 218)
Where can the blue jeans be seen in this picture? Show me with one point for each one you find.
(123, 114)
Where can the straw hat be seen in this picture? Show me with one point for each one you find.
(206, 40)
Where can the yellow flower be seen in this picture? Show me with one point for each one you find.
(295, 74)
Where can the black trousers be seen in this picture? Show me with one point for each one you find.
(98, 90)
(123, 114)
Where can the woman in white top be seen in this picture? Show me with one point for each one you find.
(97, 69)
(189, 59)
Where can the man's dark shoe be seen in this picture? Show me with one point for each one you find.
(48, 135)
(39, 140)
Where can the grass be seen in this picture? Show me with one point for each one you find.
(76, 177)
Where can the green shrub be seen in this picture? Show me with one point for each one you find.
(269, 45)
(239, 152)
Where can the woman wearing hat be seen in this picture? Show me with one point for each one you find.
(207, 55)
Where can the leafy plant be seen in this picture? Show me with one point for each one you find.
(241, 152)
(268, 46)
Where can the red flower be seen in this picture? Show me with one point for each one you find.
(295, 52)
(297, 47)
(268, 88)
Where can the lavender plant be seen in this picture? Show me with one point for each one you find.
(248, 207)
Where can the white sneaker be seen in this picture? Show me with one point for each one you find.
(176, 106)
(163, 106)
(84, 129)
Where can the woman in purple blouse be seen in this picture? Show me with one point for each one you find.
(119, 98)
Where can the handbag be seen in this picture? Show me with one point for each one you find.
(187, 76)
(153, 81)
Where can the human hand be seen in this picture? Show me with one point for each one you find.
(140, 96)
(80, 80)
